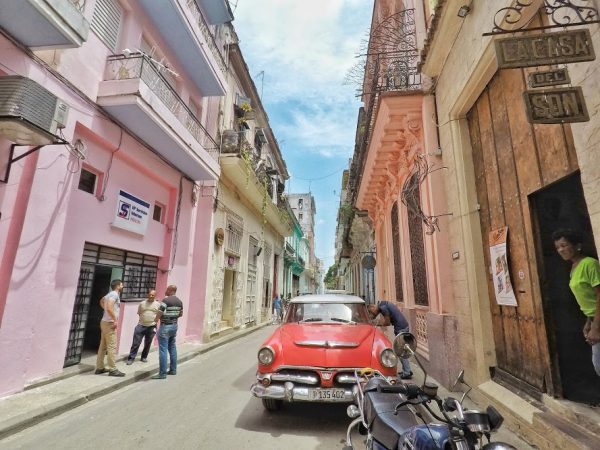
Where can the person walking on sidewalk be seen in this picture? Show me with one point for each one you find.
(169, 311)
(277, 309)
(108, 329)
(392, 316)
(146, 327)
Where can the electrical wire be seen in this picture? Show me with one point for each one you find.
(320, 178)
(177, 215)
(107, 176)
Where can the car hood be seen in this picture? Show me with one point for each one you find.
(327, 345)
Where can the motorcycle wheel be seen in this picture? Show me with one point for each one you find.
(272, 404)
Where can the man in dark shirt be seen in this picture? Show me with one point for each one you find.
(169, 311)
(392, 316)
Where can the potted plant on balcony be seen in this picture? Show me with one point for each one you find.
(248, 111)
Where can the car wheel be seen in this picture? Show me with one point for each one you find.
(272, 404)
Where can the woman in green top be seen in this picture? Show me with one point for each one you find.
(585, 285)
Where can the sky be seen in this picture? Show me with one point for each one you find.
(305, 49)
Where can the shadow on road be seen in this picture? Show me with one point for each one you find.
(321, 421)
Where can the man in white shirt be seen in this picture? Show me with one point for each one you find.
(108, 329)
(146, 327)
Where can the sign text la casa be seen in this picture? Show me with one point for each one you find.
(545, 49)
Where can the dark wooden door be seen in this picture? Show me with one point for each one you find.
(513, 159)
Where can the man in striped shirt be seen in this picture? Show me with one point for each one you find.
(169, 311)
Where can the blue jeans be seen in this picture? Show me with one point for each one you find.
(596, 357)
(166, 342)
(405, 362)
(145, 333)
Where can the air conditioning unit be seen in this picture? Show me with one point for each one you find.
(29, 113)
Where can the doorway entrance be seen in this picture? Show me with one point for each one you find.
(99, 266)
(229, 283)
(562, 205)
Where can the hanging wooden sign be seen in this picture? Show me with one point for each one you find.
(545, 49)
(549, 78)
(561, 105)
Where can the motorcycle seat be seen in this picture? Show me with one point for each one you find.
(386, 426)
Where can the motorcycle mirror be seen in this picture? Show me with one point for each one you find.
(405, 345)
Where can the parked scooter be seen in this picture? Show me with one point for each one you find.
(388, 414)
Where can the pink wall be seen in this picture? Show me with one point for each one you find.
(46, 219)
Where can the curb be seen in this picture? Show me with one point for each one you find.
(38, 415)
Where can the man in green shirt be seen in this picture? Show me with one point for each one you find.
(585, 285)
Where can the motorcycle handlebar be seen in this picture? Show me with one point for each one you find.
(411, 391)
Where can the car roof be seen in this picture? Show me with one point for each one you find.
(327, 298)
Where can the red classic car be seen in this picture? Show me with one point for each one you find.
(312, 356)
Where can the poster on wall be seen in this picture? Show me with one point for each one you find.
(503, 287)
(132, 213)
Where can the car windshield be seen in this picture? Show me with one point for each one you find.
(327, 312)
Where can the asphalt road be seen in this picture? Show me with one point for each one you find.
(207, 405)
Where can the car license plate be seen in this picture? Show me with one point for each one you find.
(326, 395)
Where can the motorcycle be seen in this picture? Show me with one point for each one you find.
(388, 414)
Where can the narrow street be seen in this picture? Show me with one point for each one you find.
(208, 405)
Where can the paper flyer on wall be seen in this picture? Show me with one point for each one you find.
(503, 287)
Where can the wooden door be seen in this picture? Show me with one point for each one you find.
(512, 159)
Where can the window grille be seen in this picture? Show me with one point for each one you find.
(234, 233)
(397, 254)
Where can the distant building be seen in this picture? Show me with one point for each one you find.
(305, 210)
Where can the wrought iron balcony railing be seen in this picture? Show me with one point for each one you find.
(208, 36)
(121, 67)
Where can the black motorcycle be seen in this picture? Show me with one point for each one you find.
(407, 416)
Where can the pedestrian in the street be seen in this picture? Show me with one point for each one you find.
(391, 315)
(146, 327)
(277, 308)
(108, 329)
(170, 309)
(585, 285)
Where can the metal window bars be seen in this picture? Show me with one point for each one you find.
(138, 65)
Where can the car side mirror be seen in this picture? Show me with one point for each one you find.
(405, 345)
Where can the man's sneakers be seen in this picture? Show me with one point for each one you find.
(172, 372)
(158, 376)
(144, 360)
(129, 362)
(100, 371)
(116, 373)
(406, 376)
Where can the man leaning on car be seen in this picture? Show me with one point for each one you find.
(391, 315)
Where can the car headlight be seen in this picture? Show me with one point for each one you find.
(388, 358)
(266, 356)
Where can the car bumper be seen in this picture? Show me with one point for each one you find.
(290, 392)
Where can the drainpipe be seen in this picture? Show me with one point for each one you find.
(15, 228)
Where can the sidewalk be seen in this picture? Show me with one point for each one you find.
(78, 385)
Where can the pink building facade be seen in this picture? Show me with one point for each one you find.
(396, 177)
(139, 129)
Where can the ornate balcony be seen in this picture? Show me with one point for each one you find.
(136, 93)
(185, 30)
(43, 24)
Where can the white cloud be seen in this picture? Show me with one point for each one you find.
(311, 42)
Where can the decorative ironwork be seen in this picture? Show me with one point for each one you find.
(79, 4)
(388, 63)
(421, 328)
(397, 254)
(411, 194)
(417, 246)
(561, 13)
(121, 67)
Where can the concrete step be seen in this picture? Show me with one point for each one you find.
(564, 433)
(585, 416)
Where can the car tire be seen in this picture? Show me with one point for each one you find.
(272, 404)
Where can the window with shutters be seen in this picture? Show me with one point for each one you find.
(106, 22)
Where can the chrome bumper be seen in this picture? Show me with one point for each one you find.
(292, 393)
